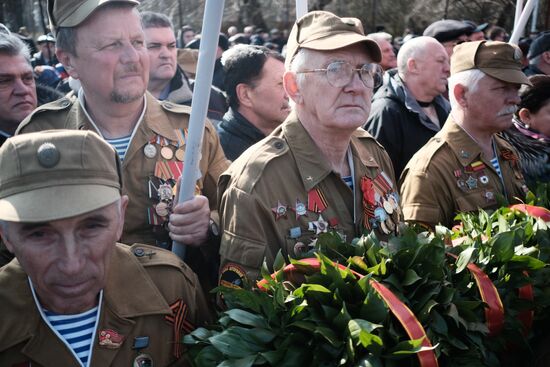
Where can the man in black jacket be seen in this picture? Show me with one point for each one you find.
(257, 100)
(409, 108)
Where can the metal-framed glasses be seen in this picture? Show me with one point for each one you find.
(340, 73)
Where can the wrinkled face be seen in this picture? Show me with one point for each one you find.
(161, 47)
(17, 90)
(540, 121)
(112, 62)
(389, 61)
(492, 104)
(346, 107)
(269, 99)
(433, 66)
(68, 259)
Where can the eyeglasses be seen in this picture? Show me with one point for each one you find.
(340, 74)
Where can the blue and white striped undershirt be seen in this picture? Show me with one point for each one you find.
(121, 145)
(349, 181)
(77, 330)
(496, 165)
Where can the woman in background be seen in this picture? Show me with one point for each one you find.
(530, 134)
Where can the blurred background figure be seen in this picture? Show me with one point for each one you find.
(539, 55)
(530, 134)
(496, 33)
(448, 32)
(477, 31)
(185, 35)
(389, 60)
(46, 53)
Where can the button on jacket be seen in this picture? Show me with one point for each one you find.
(145, 289)
(450, 175)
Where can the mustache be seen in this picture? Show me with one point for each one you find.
(508, 110)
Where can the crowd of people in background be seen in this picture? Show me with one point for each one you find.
(315, 128)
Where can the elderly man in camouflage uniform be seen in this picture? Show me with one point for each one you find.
(466, 166)
(319, 170)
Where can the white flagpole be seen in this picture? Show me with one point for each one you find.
(212, 20)
(518, 29)
(301, 8)
(519, 8)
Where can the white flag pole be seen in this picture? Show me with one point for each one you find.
(301, 8)
(518, 29)
(212, 20)
(519, 8)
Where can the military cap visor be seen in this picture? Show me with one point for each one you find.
(56, 174)
(499, 60)
(324, 31)
(70, 13)
(56, 202)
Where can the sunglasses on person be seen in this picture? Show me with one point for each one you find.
(340, 74)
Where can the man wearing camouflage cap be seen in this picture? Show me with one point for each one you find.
(73, 296)
(466, 166)
(318, 171)
(101, 43)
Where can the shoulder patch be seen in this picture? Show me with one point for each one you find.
(58, 105)
(254, 161)
(175, 108)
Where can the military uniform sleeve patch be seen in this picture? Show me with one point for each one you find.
(232, 276)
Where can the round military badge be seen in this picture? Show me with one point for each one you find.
(143, 360)
(162, 209)
(384, 228)
(150, 150)
(299, 248)
(484, 180)
(165, 192)
(388, 207)
(180, 153)
(48, 155)
(167, 153)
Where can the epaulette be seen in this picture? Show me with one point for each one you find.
(58, 105)
(421, 162)
(152, 256)
(175, 108)
(255, 161)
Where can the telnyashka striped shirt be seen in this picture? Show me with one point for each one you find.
(77, 330)
(496, 165)
(121, 145)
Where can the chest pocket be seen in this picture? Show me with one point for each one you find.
(472, 201)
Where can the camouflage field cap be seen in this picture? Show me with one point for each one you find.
(324, 31)
(70, 13)
(500, 60)
(56, 174)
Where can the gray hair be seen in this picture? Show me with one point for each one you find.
(300, 62)
(150, 19)
(469, 78)
(380, 36)
(412, 49)
(11, 45)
